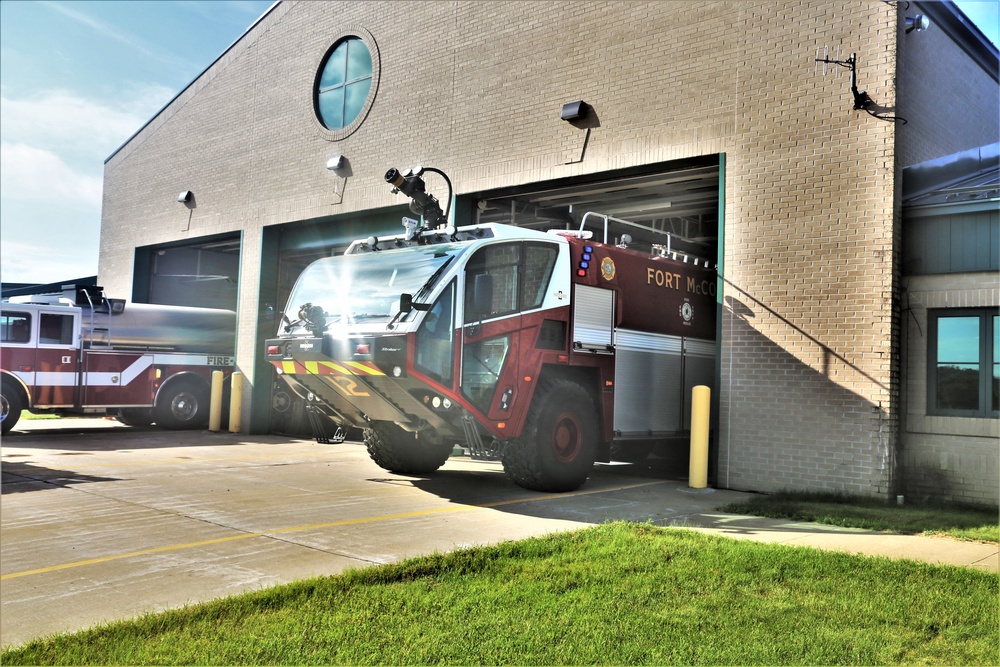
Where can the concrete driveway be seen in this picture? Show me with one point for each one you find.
(103, 522)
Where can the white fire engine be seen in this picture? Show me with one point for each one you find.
(83, 353)
(540, 349)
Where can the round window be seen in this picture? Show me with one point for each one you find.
(344, 84)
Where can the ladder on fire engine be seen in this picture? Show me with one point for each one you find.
(474, 442)
(100, 332)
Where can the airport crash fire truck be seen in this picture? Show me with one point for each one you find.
(83, 353)
(541, 349)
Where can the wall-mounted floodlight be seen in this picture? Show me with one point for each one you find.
(335, 162)
(918, 23)
(573, 110)
(185, 197)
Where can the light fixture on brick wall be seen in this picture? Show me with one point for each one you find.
(918, 23)
(580, 115)
(185, 197)
(573, 110)
(339, 165)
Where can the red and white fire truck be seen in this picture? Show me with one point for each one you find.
(542, 349)
(83, 353)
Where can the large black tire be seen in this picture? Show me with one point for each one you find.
(558, 446)
(406, 453)
(184, 405)
(134, 416)
(10, 409)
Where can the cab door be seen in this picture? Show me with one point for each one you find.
(501, 281)
(57, 359)
(491, 322)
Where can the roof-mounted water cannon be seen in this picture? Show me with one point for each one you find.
(410, 183)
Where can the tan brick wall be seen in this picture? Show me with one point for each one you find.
(808, 395)
(807, 388)
(945, 458)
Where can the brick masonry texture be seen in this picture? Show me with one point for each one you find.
(809, 397)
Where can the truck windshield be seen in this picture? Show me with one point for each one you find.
(364, 289)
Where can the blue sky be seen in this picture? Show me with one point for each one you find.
(77, 79)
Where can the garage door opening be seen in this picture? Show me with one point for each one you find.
(673, 205)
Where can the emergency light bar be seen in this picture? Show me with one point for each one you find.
(585, 259)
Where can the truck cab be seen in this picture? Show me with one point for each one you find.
(41, 349)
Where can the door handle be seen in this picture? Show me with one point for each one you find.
(505, 399)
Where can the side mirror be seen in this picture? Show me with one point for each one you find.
(482, 294)
(406, 304)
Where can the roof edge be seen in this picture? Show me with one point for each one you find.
(192, 82)
(926, 177)
(966, 34)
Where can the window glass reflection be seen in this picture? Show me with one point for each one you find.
(958, 363)
(344, 84)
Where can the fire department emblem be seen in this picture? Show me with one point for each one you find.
(687, 311)
(608, 268)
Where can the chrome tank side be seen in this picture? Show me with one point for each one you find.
(144, 326)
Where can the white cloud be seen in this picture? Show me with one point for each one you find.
(52, 156)
(39, 262)
(36, 174)
(79, 129)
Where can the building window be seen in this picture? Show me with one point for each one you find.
(344, 83)
(964, 362)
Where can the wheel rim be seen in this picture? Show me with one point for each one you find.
(184, 406)
(567, 437)
(4, 408)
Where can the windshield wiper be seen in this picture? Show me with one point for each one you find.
(434, 276)
(411, 299)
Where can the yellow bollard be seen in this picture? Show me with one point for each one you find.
(701, 400)
(236, 402)
(215, 404)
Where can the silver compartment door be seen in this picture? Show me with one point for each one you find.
(593, 320)
(647, 383)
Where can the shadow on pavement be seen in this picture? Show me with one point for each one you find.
(97, 438)
(17, 477)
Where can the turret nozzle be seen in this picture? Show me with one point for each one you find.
(393, 177)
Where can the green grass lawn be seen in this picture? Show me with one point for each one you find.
(25, 414)
(613, 594)
(962, 522)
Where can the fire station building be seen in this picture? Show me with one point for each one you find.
(837, 162)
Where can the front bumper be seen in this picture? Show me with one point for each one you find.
(362, 379)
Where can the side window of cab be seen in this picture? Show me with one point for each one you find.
(15, 328)
(55, 329)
